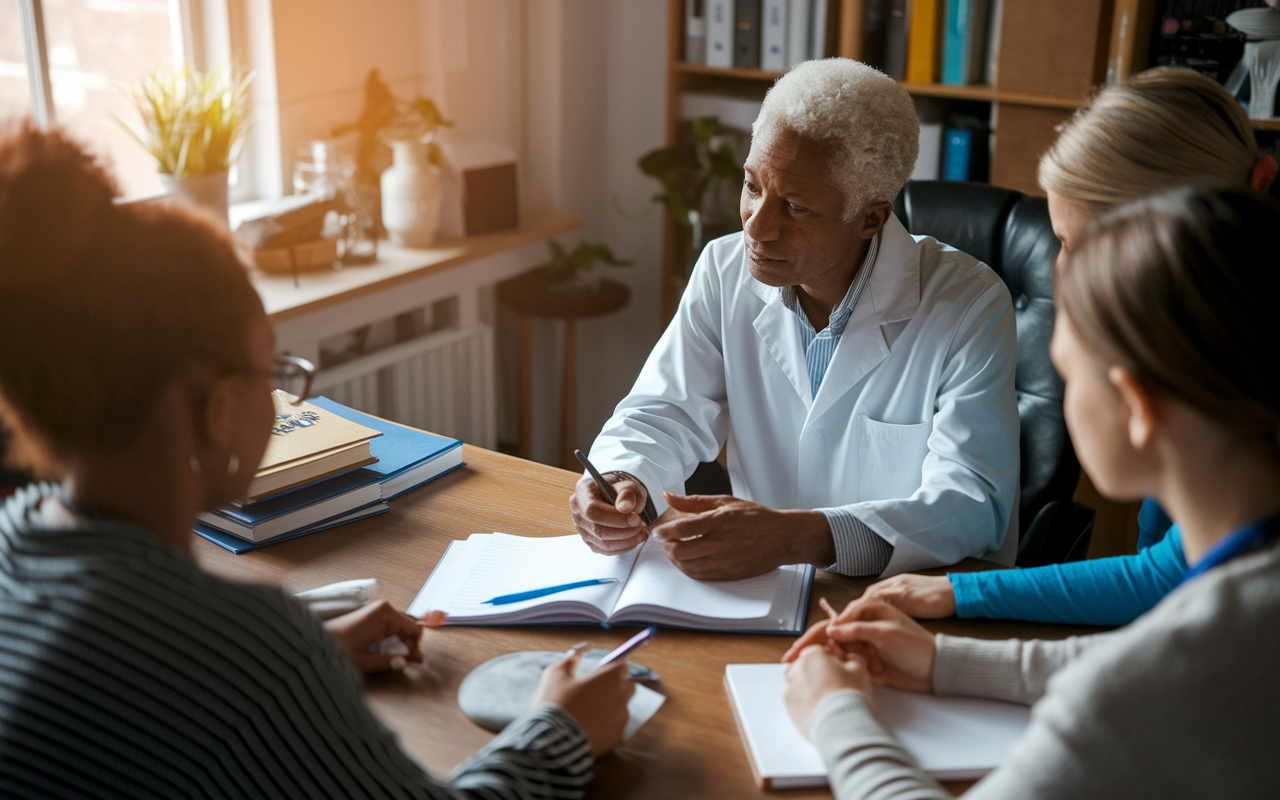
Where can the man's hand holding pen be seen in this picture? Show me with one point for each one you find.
(610, 527)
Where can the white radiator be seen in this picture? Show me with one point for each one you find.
(441, 382)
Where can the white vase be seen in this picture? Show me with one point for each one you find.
(411, 196)
(207, 192)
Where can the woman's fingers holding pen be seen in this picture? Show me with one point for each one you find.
(598, 700)
(607, 527)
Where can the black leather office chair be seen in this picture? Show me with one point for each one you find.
(1012, 234)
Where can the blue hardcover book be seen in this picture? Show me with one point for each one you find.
(296, 510)
(407, 458)
(963, 36)
(237, 545)
(957, 150)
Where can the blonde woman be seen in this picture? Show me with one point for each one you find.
(1161, 128)
(1165, 337)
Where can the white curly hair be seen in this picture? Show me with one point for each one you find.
(865, 115)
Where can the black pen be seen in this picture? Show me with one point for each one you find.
(609, 494)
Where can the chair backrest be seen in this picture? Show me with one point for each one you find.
(1012, 234)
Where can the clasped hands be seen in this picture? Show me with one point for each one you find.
(708, 537)
(870, 643)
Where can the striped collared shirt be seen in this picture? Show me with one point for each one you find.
(820, 346)
(859, 550)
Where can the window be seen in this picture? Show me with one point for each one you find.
(62, 62)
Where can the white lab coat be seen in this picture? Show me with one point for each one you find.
(914, 429)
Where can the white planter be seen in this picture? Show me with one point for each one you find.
(207, 192)
(411, 196)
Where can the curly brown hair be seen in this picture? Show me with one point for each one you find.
(102, 304)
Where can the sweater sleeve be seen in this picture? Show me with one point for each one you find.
(1103, 591)
(1013, 670)
(864, 760)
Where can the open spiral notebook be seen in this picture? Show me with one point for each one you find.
(649, 589)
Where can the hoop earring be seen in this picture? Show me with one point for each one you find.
(233, 465)
(194, 464)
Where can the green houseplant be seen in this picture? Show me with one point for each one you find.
(193, 125)
(570, 272)
(699, 178)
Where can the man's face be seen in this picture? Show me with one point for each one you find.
(793, 214)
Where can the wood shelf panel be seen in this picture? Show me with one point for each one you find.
(690, 68)
(1272, 124)
(992, 94)
(986, 94)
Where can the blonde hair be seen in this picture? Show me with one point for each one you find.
(866, 117)
(1178, 290)
(1161, 128)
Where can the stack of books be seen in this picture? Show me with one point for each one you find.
(327, 465)
(772, 35)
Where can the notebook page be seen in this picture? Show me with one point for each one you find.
(655, 581)
(511, 564)
(951, 738)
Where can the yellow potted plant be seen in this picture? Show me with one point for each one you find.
(193, 125)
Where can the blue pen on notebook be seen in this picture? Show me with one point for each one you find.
(533, 594)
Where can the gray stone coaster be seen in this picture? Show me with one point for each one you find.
(499, 690)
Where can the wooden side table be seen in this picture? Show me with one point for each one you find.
(527, 296)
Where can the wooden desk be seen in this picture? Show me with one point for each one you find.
(689, 749)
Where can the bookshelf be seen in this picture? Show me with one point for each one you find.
(1113, 42)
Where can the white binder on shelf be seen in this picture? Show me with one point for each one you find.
(720, 33)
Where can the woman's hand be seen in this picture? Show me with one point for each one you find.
(598, 701)
(921, 596)
(355, 631)
(817, 672)
(898, 651)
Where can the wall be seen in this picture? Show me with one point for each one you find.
(574, 86)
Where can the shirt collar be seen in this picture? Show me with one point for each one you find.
(841, 313)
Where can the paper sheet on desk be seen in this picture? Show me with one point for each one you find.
(644, 704)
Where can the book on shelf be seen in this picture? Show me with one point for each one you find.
(695, 31)
(873, 33)
(965, 150)
(929, 161)
(720, 33)
(237, 545)
(308, 444)
(407, 457)
(798, 36)
(818, 29)
(895, 45)
(951, 738)
(773, 36)
(746, 34)
(963, 39)
(645, 588)
(924, 41)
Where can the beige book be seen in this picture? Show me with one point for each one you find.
(305, 432)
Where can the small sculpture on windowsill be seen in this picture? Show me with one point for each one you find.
(1261, 55)
(574, 272)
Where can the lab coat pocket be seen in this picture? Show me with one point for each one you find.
(890, 458)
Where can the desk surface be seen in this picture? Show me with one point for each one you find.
(321, 289)
(689, 749)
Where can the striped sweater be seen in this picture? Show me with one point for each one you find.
(126, 672)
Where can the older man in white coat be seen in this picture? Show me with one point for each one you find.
(862, 378)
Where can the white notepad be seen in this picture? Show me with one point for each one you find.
(649, 589)
(951, 738)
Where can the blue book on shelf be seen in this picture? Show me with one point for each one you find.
(237, 545)
(407, 457)
(953, 36)
(957, 153)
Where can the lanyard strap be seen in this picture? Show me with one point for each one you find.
(1243, 540)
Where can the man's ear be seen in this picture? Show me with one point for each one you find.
(218, 422)
(874, 218)
(1143, 406)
